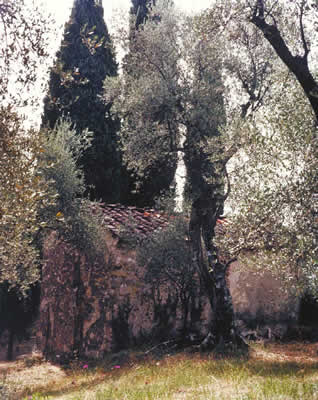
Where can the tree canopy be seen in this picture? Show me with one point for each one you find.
(269, 18)
(273, 173)
(23, 43)
(156, 181)
(22, 189)
(177, 95)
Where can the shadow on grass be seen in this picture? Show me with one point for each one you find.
(276, 369)
(110, 370)
(68, 388)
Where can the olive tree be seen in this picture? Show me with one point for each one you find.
(273, 181)
(179, 95)
(72, 216)
(272, 173)
(23, 43)
(273, 19)
(291, 30)
(22, 190)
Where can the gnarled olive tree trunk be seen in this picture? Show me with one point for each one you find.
(223, 333)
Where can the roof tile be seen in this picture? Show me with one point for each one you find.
(117, 217)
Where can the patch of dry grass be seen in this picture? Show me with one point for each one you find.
(272, 372)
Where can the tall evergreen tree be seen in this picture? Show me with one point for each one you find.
(158, 178)
(85, 59)
(140, 9)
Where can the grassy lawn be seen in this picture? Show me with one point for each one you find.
(274, 371)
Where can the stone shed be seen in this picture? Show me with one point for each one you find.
(90, 310)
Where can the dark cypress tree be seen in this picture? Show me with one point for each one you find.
(159, 178)
(84, 60)
(140, 9)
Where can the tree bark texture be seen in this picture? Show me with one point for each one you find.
(223, 332)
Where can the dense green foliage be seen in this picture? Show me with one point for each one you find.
(164, 95)
(167, 256)
(272, 175)
(23, 192)
(273, 182)
(43, 189)
(157, 179)
(85, 59)
(23, 48)
(71, 215)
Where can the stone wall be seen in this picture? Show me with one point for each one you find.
(93, 309)
(89, 310)
(261, 300)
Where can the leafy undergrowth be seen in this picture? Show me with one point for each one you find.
(274, 371)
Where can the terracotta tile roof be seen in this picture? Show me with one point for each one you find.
(117, 217)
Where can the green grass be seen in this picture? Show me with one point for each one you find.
(208, 379)
(271, 373)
